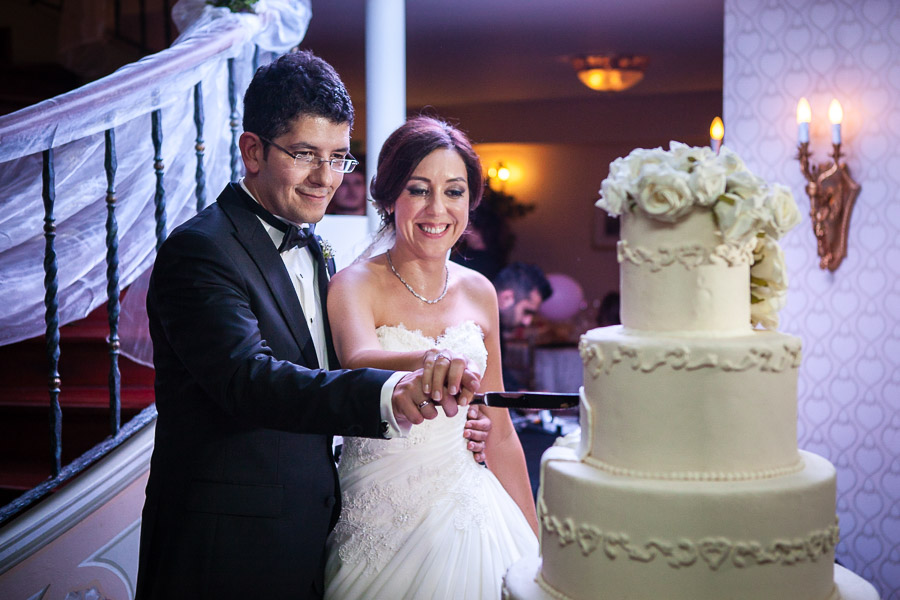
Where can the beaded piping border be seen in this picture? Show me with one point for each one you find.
(696, 475)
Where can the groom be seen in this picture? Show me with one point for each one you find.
(243, 488)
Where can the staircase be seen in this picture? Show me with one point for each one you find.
(77, 532)
(32, 69)
(25, 455)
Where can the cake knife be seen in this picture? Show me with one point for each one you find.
(529, 400)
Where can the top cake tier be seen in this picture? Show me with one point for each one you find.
(683, 278)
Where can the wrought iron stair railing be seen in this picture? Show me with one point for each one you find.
(153, 88)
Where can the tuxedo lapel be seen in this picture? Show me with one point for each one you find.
(253, 237)
(324, 271)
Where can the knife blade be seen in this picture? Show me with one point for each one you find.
(530, 400)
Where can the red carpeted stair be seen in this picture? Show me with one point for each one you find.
(25, 455)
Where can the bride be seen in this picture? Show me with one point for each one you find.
(420, 518)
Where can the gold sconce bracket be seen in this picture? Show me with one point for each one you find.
(832, 194)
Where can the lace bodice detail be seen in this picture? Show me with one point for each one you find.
(465, 338)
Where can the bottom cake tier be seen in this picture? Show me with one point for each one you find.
(611, 536)
(523, 582)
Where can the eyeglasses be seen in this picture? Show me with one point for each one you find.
(307, 158)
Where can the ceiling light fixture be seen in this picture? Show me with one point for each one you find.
(610, 72)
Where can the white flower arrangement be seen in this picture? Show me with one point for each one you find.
(666, 185)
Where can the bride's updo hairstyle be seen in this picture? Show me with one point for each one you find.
(404, 150)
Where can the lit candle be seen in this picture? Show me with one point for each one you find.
(804, 116)
(835, 115)
(716, 133)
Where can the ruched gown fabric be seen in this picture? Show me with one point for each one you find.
(421, 519)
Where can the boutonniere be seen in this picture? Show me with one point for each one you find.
(327, 250)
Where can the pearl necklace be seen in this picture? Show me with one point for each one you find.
(414, 292)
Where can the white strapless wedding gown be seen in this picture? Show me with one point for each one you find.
(421, 519)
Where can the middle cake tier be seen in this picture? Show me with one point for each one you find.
(690, 408)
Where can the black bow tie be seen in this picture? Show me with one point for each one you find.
(294, 237)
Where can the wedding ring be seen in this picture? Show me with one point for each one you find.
(424, 404)
(441, 355)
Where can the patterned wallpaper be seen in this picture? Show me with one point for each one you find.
(775, 52)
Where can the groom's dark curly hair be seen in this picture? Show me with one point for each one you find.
(296, 83)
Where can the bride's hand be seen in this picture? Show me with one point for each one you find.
(445, 372)
(410, 403)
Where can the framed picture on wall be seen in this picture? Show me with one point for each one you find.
(606, 230)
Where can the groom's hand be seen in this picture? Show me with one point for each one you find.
(410, 402)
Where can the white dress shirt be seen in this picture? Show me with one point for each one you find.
(301, 267)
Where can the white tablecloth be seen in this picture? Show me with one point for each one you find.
(558, 369)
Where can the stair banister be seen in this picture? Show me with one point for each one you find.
(211, 64)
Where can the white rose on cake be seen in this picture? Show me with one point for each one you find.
(683, 155)
(738, 221)
(664, 193)
(640, 157)
(768, 283)
(746, 187)
(783, 214)
(614, 195)
(730, 161)
(708, 180)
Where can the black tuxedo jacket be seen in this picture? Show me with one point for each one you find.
(243, 488)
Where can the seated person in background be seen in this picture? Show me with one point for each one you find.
(608, 313)
(521, 289)
(350, 197)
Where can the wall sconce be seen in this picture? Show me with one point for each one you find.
(610, 72)
(716, 133)
(832, 192)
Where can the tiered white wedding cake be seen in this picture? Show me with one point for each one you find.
(687, 482)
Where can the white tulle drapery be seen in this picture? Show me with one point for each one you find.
(73, 125)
